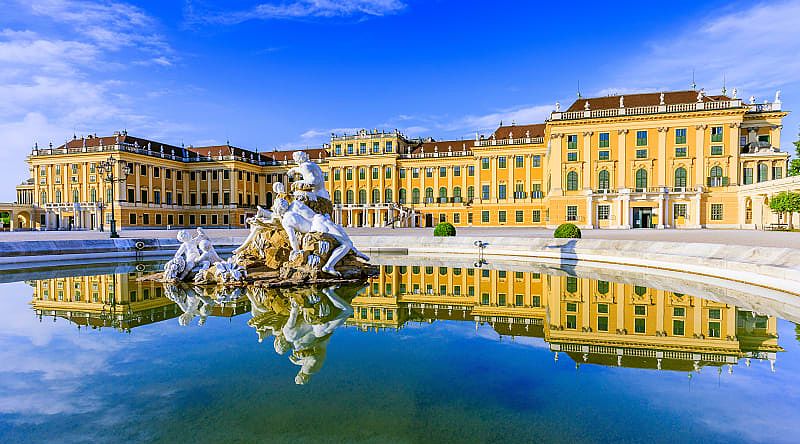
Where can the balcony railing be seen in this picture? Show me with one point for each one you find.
(717, 181)
(436, 154)
(652, 109)
(515, 141)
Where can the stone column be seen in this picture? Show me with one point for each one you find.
(622, 156)
(589, 211)
(11, 221)
(696, 209)
(625, 209)
(662, 179)
(700, 155)
(661, 217)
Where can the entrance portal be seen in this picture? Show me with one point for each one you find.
(642, 217)
(429, 220)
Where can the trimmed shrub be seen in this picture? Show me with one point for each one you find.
(568, 231)
(444, 229)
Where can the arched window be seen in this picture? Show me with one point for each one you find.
(93, 195)
(572, 284)
(376, 195)
(76, 195)
(428, 195)
(362, 196)
(58, 196)
(43, 198)
(457, 194)
(603, 180)
(639, 290)
(470, 192)
(763, 171)
(680, 177)
(387, 195)
(716, 171)
(572, 181)
(716, 179)
(401, 195)
(442, 194)
(415, 195)
(641, 178)
(602, 287)
(337, 197)
(350, 197)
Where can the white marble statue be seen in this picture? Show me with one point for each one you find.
(586, 106)
(297, 217)
(312, 176)
(195, 254)
(777, 97)
(622, 101)
(661, 99)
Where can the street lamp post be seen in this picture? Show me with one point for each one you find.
(106, 169)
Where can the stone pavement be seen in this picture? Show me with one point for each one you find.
(731, 237)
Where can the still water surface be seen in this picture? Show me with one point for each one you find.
(417, 354)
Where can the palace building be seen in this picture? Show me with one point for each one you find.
(678, 159)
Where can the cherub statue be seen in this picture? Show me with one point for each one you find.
(262, 219)
(313, 178)
(185, 259)
(297, 217)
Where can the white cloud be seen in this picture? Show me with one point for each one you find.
(299, 9)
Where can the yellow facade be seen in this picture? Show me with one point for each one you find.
(591, 320)
(672, 160)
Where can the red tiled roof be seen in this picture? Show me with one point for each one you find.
(95, 141)
(518, 131)
(443, 146)
(313, 153)
(645, 99)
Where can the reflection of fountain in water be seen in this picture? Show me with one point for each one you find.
(301, 321)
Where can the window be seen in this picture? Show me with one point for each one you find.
(376, 147)
(602, 323)
(716, 150)
(680, 178)
(572, 322)
(143, 196)
(442, 171)
(748, 176)
(602, 288)
(680, 136)
(401, 195)
(429, 195)
(641, 154)
(679, 210)
(485, 216)
(640, 310)
(484, 192)
(536, 191)
(519, 162)
(143, 170)
(456, 218)
(716, 179)
(639, 325)
(470, 192)
(603, 212)
(428, 172)
(362, 173)
(456, 194)
(388, 173)
(156, 172)
(572, 181)
(641, 138)
(763, 171)
(713, 329)
(641, 178)
(456, 171)
(362, 148)
(518, 217)
(680, 151)
(442, 195)
(603, 140)
(716, 211)
(415, 195)
(484, 298)
(376, 195)
(501, 299)
(389, 146)
(716, 134)
(501, 161)
(402, 173)
(337, 174)
(572, 213)
(679, 312)
(536, 216)
(777, 172)
(484, 163)
(362, 196)
(536, 161)
(518, 300)
(604, 155)
(132, 219)
(387, 195)
(603, 180)
(572, 157)
(501, 191)
(678, 327)
(375, 174)
(572, 141)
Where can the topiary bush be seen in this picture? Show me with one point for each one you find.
(444, 229)
(568, 231)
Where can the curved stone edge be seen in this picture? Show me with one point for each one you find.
(776, 268)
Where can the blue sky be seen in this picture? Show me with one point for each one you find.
(286, 73)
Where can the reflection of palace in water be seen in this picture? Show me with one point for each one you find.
(118, 301)
(592, 321)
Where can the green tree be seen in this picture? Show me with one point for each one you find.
(785, 203)
(794, 165)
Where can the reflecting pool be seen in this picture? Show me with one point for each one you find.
(422, 352)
